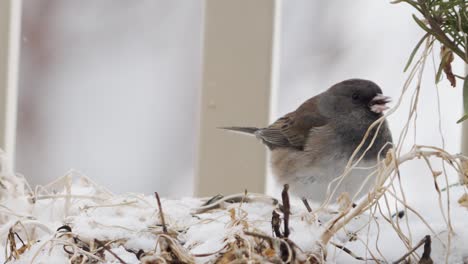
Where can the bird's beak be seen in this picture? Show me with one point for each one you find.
(378, 103)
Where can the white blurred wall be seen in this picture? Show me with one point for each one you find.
(111, 87)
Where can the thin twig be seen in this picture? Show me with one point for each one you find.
(286, 209)
(203, 255)
(68, 196)
(422, 242)
(22, 242)
(262, 236)
(216, 202)
(426, 257)
(161, 214)
(86, 207)
(349, 252)
(275, 224)
(106, 248)
(307, 205)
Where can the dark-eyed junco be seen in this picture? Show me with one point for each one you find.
(312, 145)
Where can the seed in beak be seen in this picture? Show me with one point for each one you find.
(378, 103)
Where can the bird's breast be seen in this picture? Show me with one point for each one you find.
(309, 177)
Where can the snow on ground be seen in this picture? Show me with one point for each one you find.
(131, 224)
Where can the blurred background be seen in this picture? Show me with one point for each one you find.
(112, 88)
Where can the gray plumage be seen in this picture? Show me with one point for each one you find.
(311, 145)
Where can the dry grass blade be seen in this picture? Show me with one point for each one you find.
(286, 210)
(161, 214)
(426, 257)
(307, 205)
(426, 241)
(106, 248)
(349, 252)
(275, 224)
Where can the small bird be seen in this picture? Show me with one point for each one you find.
(312, 145)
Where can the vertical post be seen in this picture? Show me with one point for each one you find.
(10, 28)
(238, 47)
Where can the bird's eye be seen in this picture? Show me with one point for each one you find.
(355, 96)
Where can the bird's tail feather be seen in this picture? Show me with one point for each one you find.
(246, 130)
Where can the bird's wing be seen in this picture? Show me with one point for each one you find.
(292, 130)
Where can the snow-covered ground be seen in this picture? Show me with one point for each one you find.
(132, 226)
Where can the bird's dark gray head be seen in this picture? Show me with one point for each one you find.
(355, 97)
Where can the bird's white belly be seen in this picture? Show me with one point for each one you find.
(311, 182)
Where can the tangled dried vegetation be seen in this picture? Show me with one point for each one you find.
(242, 242)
